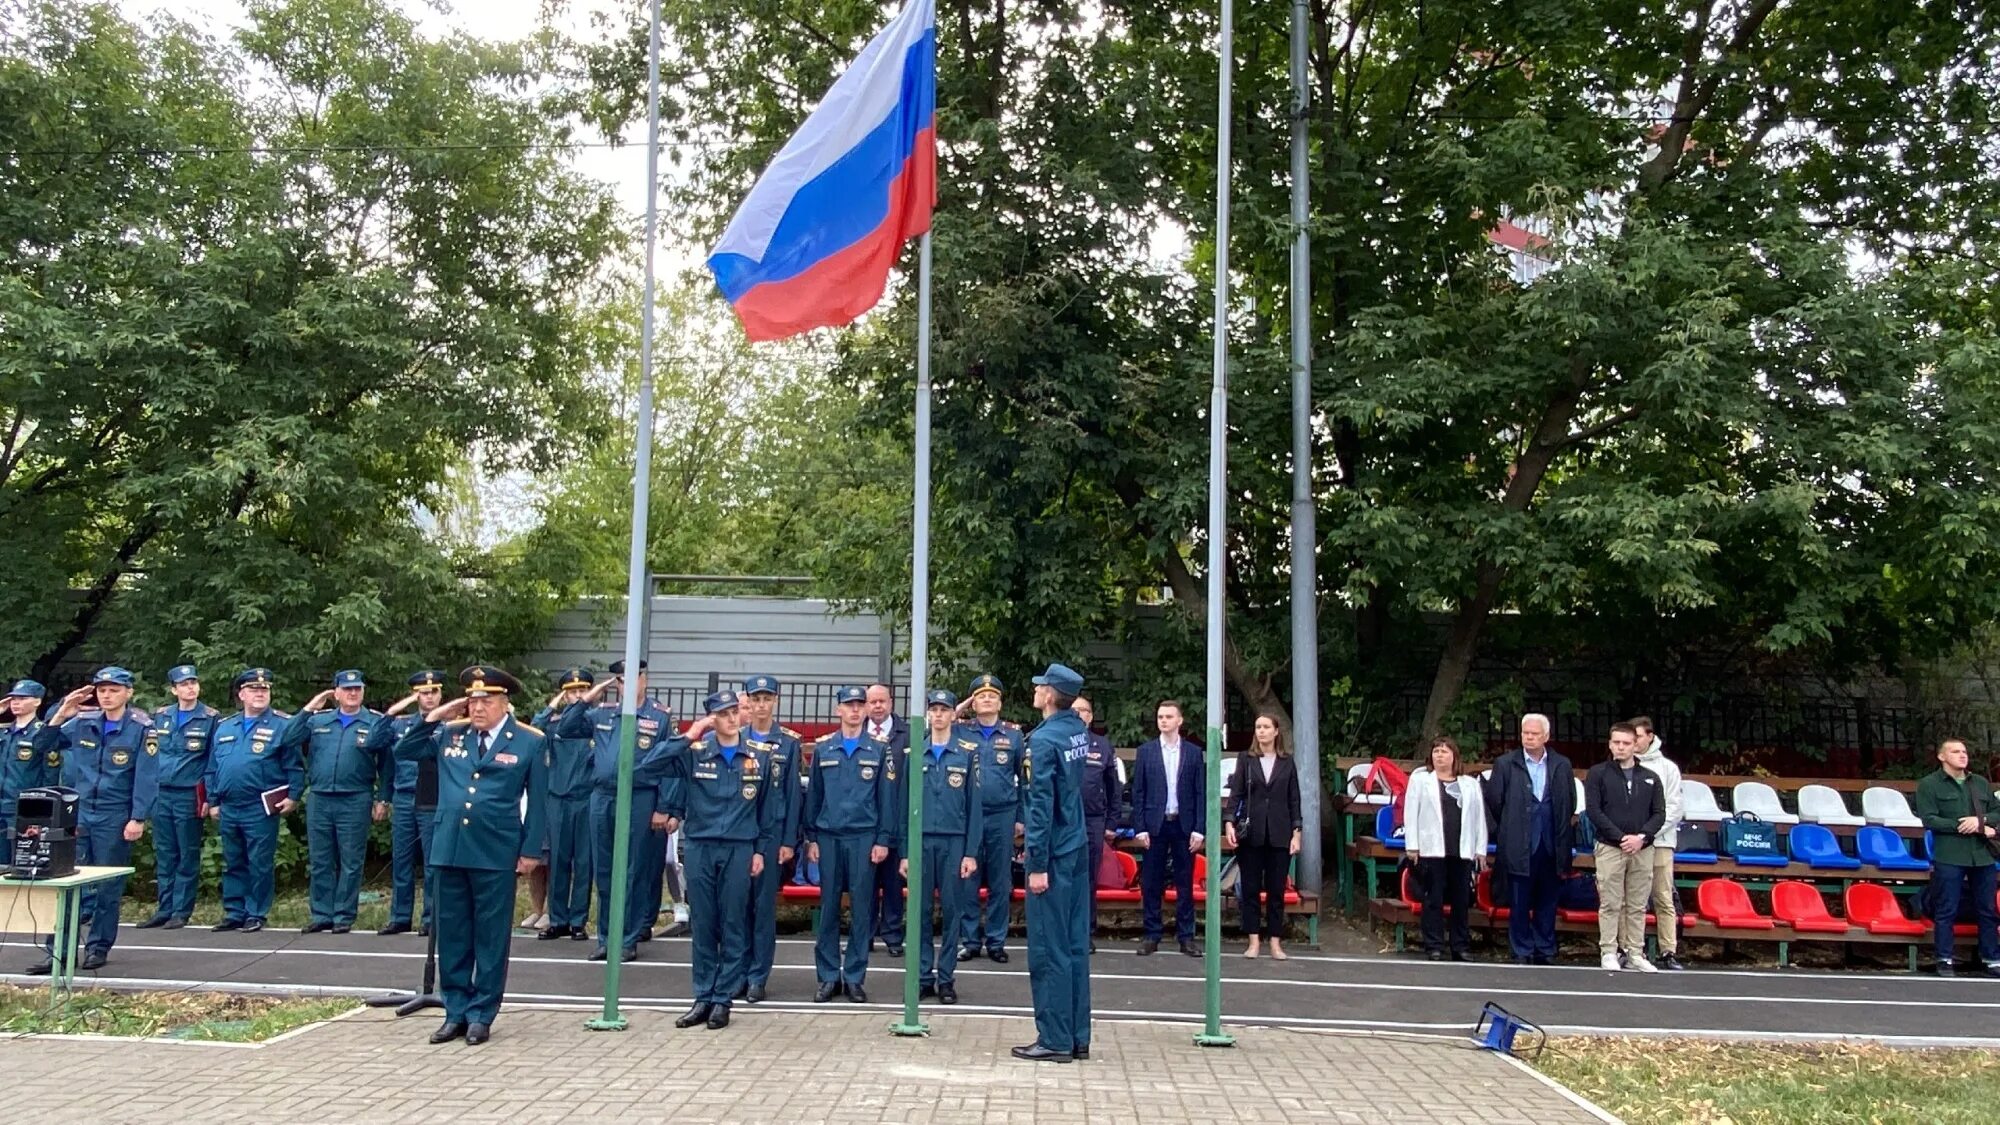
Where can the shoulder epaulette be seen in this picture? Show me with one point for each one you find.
(1010, 726)
(162, 711)
(788, 732)
(702, 744)
(824, 739)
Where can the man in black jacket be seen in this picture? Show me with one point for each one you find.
(1531, 801)
(1626, 806)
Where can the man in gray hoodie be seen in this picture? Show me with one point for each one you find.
(1666, 896)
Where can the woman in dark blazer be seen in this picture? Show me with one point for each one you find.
(1263, 827)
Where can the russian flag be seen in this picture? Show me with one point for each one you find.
(812, 244)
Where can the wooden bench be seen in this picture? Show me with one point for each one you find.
(1296, 904)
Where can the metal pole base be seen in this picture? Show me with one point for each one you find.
(909, 1029)
(614, 1023)
(1214, 1039)
(390, 1000)
(417, 1004)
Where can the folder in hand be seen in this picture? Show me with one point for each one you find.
(275, 797)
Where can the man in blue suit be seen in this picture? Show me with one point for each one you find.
(1169, 799)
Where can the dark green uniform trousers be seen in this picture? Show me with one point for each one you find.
(475, 924)
(1059, 954)
(718, 887)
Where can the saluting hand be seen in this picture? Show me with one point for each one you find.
(319, 702)
(74, 702)
(700, 727)
(446, 712)
(397, 707)
(598, 689)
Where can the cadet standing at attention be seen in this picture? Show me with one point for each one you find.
(247, 760)
(346, 786)
(180, 739)
(1000, 758)
(1058, 885)
(948, 761)
(409, 826)
(569, 846)
(784, 758)
(582, 719)
(731, 820)
(848, 808)
(20, 766)
(108, 760)
(487, 764)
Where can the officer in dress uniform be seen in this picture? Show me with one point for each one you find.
(105, 755)
(1000, 758)
(849, 807)
(1103, 796)
(582, 719)
(347, 785)
(181, 737)
(731, 819)
(20, 766)
(409, 827)
(784, 757)
(487, 763)
(569, 849)
(1058, 885)
(246, 761)
(948, 761)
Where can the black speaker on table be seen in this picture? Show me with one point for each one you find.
(44, 834)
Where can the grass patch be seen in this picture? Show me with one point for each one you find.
(1700, 1082)
(211, 1017)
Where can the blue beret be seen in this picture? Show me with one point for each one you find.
(760, 685)
(349, 677)
(27, 689)
(112, 675)
(182, 673)
(850, 695)
(1061, 677)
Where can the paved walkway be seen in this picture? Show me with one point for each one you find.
(770, 1066)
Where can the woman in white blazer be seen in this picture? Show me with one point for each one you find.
(1444, 826)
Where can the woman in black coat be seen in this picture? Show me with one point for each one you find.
(1263, 826)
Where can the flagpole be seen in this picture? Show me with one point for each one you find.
(1305, 539)
(916, 903)
(1212, 1034)
(611, 919)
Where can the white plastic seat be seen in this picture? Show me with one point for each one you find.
(1698, 802)
(1228, 774)
(1356, 775)
(1579, 792)
(1759, 798)
(1822, 804)
(1888, 807)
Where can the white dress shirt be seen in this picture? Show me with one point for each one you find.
(1170, 754)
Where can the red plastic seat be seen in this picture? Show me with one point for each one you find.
(1727, 904)
(1482, 893)
(1409, 885)
(1873, 907)
(1128, 864)
(1800, 906)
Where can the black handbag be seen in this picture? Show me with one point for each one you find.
(1694, 838)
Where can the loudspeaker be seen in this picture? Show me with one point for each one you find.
(44, 845)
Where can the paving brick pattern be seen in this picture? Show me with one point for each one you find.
(773, 1066)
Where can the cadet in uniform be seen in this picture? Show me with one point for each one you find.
(20, 766)
(487, 764)
(343, 777)
(246, 761)
(600, 724)
(1058, 885)
(783, 756)
(1103, 796)
(106, 757)
(409, 826)
(180, 739)
(848, 808)
(1000, 758)
(948, 761)
(731, 819)
(569, 849)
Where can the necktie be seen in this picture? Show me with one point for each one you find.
(485, 742)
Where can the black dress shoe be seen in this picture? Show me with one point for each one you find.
(968, 953)
(93, 960)
(895, 951)
(1081, 1054)
(1524, 960)
(1670, 963)
(927, 992)
(253, 925)
(1435, 955)
(578, 934)
(1190, 949)
(947, 994)
(344, 928)
(857, 994)
(153, 923)
(697, 1014)
(315, 927)
(1035, 1052)
(631, 953)
(1944, 969)
(1459, 955)
(754, 994)
(450, 1031)
(552, 933)
(477, 1033)
(1148, 947)
(597, 954)
(645, 934)
(998, 955)
(175, 924)
(719, 1019)
(41, 968)
(226, 925)
(742, 991)
(827, 991)
(392, 929)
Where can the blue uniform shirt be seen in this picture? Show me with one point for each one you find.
(382, 741)
(248, 758)
(600, 726)
(1001, 755)
(724, 792)
(22, 766)
(480, 821)
(852, 790)
(181, 740)
(108, 765)
(951, 788)
(785, 759)
(569, 760)
(338, 758)
(1052, 820)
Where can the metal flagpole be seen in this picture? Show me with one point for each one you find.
(917, 904)
(1218, 473)
(1305, 538)
(611, 919)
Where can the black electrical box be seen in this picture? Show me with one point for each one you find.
(44, 839)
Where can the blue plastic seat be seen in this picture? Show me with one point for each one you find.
(1385, 828)
(1816, 846)
(1881, 847)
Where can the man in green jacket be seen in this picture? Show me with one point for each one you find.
(1957, 806)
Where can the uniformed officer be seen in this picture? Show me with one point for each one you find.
(731, 820)
(1058, 885)
(582, 719)
(105, 756)
(485, 836)
(785, 757)
(347, 785)
(181, 737)
(20, 766)
(947, 760)
(246, 761)
(849, 809)
(1000, 758)
(569, 849)
(1103, 797)
(409, 825)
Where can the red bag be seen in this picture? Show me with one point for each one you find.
(1385, 776)
(1110, 874)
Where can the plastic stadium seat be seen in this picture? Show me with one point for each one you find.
(1129, 865)
(1822, 804)
(1799, 906)
(1409, 889)
(1482, 896)
(1229, 775)
(1881, 847)
(1888, 807)
(1727, 904)
(1816, 846)
(1357, 774)
(1759, 798)
(1385, 828)
(1873, 907)
(1698, 802)
(1971, 929)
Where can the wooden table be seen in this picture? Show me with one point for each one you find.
(40, 906)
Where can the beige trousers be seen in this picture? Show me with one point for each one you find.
(1666, 902)
(1624, 884)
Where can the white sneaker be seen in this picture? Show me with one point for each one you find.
(1610, 961)
(1639, 964)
